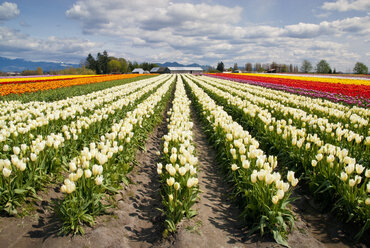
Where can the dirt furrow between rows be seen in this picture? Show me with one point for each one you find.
(216, 224)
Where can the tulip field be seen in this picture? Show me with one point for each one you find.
(34, 84)
(271, 134)
(337, 89)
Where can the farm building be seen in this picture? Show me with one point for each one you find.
(160, 70)
(138, 71)
(185, 70)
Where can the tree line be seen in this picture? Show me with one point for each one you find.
(321, 67)
(259, 67)
(104, 64)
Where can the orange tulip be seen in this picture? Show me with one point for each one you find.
(42, 84)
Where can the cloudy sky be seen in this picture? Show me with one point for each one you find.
(204, 32)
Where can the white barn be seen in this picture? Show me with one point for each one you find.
(137, 71)
(185, 69)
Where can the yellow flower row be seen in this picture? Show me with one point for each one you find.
(42, 78)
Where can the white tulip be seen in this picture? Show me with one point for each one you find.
(87, 173)
(170, 181)
(6, 172)
(99, 180)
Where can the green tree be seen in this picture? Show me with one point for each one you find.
(306, 66)
(147, 66)
(290, 68)
(360, 68)
(275, 66)
(39, 71)
(114, 66)
(323, 67)
(124, 65)
(235, 68)
(284, 68)
(258, 67)
(220, 66)
(90, 62)
(248, 67)
(102, 60)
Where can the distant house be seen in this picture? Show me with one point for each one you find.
(155, 69)
(185, 70)
(160, 70)
(138, 71)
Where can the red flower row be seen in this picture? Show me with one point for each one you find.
(353, 90)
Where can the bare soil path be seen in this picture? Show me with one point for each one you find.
(216, 224)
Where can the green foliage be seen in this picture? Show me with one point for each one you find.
(220, 66)
(124, 65)
(306, 66)
(38, 71)
(76, 209)
(102, 63)
(323, 67)
(73, 71)
(91, 63)
(114, 66)
(212, 70)
(248, 67)
(360, 68)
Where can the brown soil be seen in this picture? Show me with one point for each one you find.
(136, 222)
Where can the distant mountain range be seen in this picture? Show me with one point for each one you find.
(175, 64)
(18, 65)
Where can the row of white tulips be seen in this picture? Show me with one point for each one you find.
(334, 133)
(26, 167)
(94, 158)
(55, 141)
(263, 192)
(16, 111)
(102, 166)
(329, 168)
(40, 114)
(179, 174)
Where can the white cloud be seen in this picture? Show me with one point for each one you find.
(165, 31)
(159, 31)
(347, 5)
(8, 11)
(53, 48)
(357, 25)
